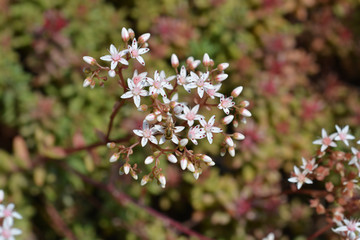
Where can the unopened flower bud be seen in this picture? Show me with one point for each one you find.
(196, 175)
(111, 73)
(144, 180)
(133, 174)
(239, 136)
(226, 120)
(183, 163)
(172, 158)
(111, 145)
(125, 35)
(222, 66)
(236, 92)
(195, 64)
(92, 84)
(229, 141)
(206, 60)
(150, 117)
(114, 157)
(126, 168)
(191, 167)
(143, 108)
(236, 123)
(243, 120)
(206, 158)
(210, 164)
(183, 142)
(131, 33)
(178, 109)
(149, 160)
(244, 104)
(231, 151)
(2, 195)
(162, 180)
(245, 112)
(174, 61)
(222, 152)
(221, 77)
(121, 171)
(89, 60)
(143, 38)
(87, 82)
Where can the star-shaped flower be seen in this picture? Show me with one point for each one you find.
(310, 166)
(115, 57)
(7, 232)
(343, 135)
(225, 104)
(8, 213)
(199, 82)
(209, 128)
(136, 90)
(326, 140)
(138, 78)
(213, 92)
(135, 52)
(156, 85)
(196, 133)
(300, 177)
(356, 158)
(190, 115)
(146, 133)
(349, 228)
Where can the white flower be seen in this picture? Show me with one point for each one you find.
(166, 80)
(343, 135)
(182, 79)
(135, 52)
(190, 115)
(192, 63)
(7, 232)
(156, 85)
(326, 140)
(138, 78)
(8, 213)
(356, 158)
(174, 60)
(174, 131)
(2, 195)
(270, 236)
(209, 128)
(350, 228)
(225, 104)
(146, 133)
(115, 57)
(300, 177)
(196, 133)
(135, 91)
(310, 166)
(199, 82)
(213, 92)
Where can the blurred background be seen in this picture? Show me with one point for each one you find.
(297, 59)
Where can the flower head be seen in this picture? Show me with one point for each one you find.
(225, 104)
(199, 82)
(350, 228)
(326, 140)
(209, 128)
(310, 166)
(136, 90)
(8, 213)
(7, 232)
(300, 177)
(115, 57)
(190, 115)
(135, 52)
(146, 133)
(343, 135)
(196, 133)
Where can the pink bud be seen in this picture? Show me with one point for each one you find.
(206, 60)
(211, 164)
(125, 35)
(172, 158)
(174, 61)
(206, 158)
(149, 160)
(133, 174)
(194, 64)
(196, 175)
(236, 92)
(222, 66)
(150, 117)
(221, 77)
(226, 120)
(143, 38)
(244, 104)
(111, 145)
(239, 136)
(131, 33)
(126, 168)
(92, 84)
(183, 142)
(89, 60)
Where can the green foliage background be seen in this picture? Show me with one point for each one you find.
(297, 59)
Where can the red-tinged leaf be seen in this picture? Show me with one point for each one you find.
(78, 140)
(21, 151)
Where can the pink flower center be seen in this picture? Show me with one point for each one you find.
(208, 127)
(200, 83)
(326, 141)
(226, 103)
(135, 53)
(157, 84)
(147, 133)
(182, 80)
(301, 178)
(6, 233)
(351, 227)
(309, 166)
(190, 116)
(136, 91)
(7, 213)
(358, 155)
(342, 136)
(210, 92)
(116, 57)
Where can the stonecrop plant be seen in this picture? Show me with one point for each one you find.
(7, 216)
(179, 110)
(337, 168)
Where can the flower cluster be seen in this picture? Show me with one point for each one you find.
(339, 196)
(170, 124)
(7, 216)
